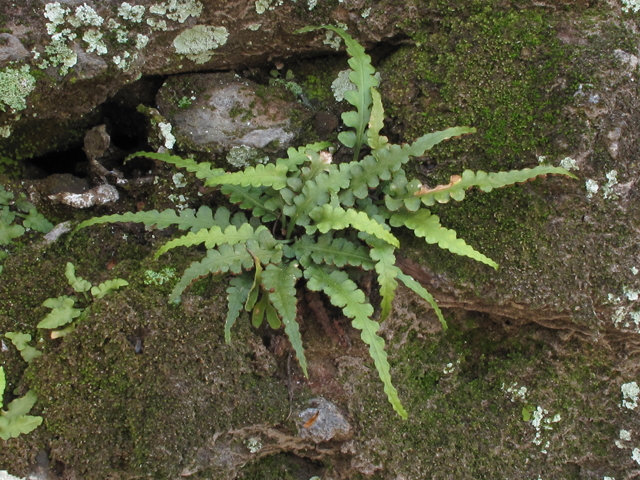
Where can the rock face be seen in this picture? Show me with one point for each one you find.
(81, 53)
(537, 375)
(220, 111)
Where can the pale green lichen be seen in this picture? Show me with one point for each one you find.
(262, 6)
(85, 15)
(130, 12)
(5, 132)
(243, 156)
(254, 26)
(569, 163)
(630, 6)
(55, 13)
(630, 393)
(94, 38)
(141, 41)
(342, 84)
(15, 86)
(169, 139)
(592, 187)
(198, 43)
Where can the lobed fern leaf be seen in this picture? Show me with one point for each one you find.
(485, 181)
(315, 192)
(387, 272)
(362, 76)
(280, 282)
(249, 198)
(411, 283)
(15, 420)
(297, 156)
(238, 292)
(224, 259)
(425, 224)
(185, 221)
(343, 293)
(270, 175)
(109, 286)
(21, 342)
(337, 218)
(329, 250)
(202, 170)
(62, 312)
(78, 284)
(213, 237)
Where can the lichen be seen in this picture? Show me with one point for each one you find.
(169, 139)
(198, 43)
(134, 13)
(94, 38)
(15, 86)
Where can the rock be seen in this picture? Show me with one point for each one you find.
(323, 422)
(81, 53)
(210, 112)
(11, 49)
(96, 196)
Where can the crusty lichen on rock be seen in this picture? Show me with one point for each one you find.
(15, 86)
(198, 43)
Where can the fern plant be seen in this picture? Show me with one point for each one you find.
(305, 217)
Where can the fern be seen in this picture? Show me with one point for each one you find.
(15, 421)
(313, 223)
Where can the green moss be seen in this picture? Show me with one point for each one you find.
(489, 68)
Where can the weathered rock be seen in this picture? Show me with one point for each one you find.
(82, 52)
(210, 112)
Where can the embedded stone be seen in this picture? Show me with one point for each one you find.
(218, 111)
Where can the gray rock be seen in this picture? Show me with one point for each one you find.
(219, 111)
(11, 49)
(323, 422)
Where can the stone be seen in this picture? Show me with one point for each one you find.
(218, 111)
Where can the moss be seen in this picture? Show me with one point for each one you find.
(490, 68)
(464, 422)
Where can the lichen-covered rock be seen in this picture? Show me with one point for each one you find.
(83, 52)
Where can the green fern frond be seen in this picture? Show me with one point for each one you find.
(362, 76)
(387, 272)
(332, 251)
(15, 420)
(426, 225)
(337, 218)
(280, 282)
(62, 312)
(298, 156)
(202, 170)
(238, 291)
(249, 198)
(270, 175)
(185, 221)
(411, 283)
(343, 293)
(224, 259)
(428, 141)
(213, 237)
(109, 286)
(485, 181)
(316, 192)
(78, 284)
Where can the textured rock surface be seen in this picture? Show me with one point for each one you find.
(221, 111)
(81, 53)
